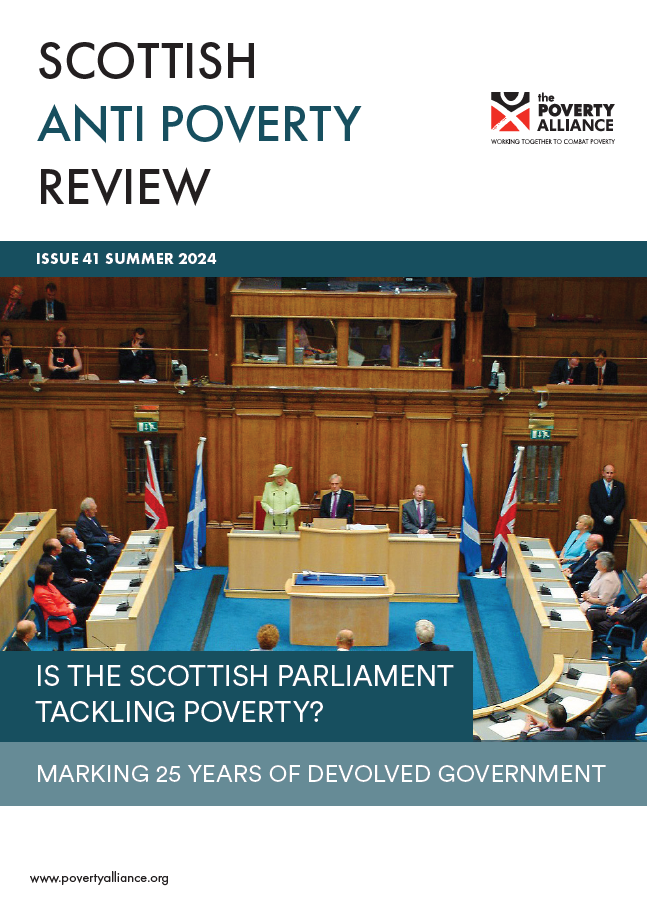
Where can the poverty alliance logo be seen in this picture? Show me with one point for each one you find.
(510, 112)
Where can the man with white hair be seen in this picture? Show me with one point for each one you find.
(90, 531)
(425, 632)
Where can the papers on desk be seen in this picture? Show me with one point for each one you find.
(149, 381)
(562, 593)
(575, 704)
(126, 382)
(509, 728)
(120, 585)
(595, 682)
(357, 527)
(542, 553)
(6, 543)
(572, 616)
(552, 565)
(24, 529)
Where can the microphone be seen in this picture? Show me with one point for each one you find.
(572, 673)
(552, 697)
(524, 547)
(534, 568)
(19, 541)
(112, 649)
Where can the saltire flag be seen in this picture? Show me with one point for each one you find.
(154, 508)
(470, 537)
(195, 537)
(505, 525)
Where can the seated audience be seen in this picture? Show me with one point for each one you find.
(78, 589)
(633, 614)
(48, 307)
(621, 704)
(418, 515)
(25, 632)
(345, 640)
(639, 679)
(136, 358)
(575, 546)
(90, 531)
(600, 371)
(339, 503)
(605, 585)
(267, 637)
(11, 361)
(425, 632)
(12, 308)
(568, 370)
(553, 729)
(79, 562)
(580, 574)
(64, 359)
(54, 604)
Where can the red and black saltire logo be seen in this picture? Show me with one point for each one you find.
(510, 111)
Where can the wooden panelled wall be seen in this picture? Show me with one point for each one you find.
(612, 299)
(56, 448)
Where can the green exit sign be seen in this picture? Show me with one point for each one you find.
(147, 426)
(540, 434)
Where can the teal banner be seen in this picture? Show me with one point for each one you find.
(328, 258)
(322, 774)
(211, 696)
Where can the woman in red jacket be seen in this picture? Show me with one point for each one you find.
(53, 604)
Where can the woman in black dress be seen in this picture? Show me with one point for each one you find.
(64, 359)
(11, 362)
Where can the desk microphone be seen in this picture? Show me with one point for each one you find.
(534, 568)
(552, 697)
(573, 673)
(554, 615)
(523, 546)
(112, 649)
(135, 583)
(544, 590)
(19, 541)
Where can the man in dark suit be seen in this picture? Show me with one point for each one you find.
(633, 614)
(425, 632)
(607, 500)
(555, 728)
(136, 358)
(339, 503)
(600, 371)
(580, 574)
(78, 590)
(621, 704)
(25, 632)
(79, 562)
(13, 308)
(418, 515)
(567, 370)
(48, 307)
(639, 679)
(90, 531)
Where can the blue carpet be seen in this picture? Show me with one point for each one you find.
(237, 620)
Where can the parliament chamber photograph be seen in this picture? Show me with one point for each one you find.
(394, 463)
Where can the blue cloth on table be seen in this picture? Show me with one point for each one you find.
(334, 579)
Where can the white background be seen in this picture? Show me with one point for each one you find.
(419, 166)
(315, 858)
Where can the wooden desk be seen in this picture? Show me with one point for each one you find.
(637, 550)
(544, 638)
(317, 615)
(533, 702)
(21, 562)
(340, 551)
(136, 627)
(260, 562)
(422, 567)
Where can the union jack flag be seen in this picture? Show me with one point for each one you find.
(154, 508)
(505, 525)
